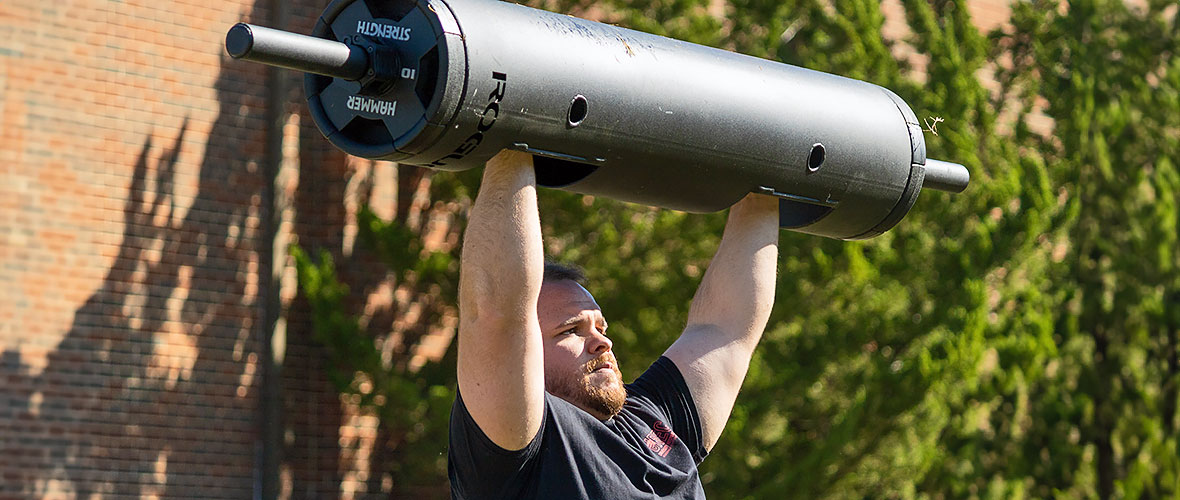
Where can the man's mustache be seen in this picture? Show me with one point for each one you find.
(599, 362)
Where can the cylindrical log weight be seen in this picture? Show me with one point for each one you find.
(447, 84)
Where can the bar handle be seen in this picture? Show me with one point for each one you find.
(304, 53)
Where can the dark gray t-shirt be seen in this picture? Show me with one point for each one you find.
(649, 450)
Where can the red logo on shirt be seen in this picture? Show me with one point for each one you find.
(660, 439)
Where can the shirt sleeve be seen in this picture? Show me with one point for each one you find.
(664, 386)
(478, 467)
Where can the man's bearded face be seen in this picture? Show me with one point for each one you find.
(580, 366)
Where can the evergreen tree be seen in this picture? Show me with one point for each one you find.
(1101, 416)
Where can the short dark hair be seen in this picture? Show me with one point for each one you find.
(555, 271)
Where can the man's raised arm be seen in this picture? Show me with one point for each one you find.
(729, 312)
(501, 364)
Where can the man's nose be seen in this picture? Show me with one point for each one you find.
(599, 343)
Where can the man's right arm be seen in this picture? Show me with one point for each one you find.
(500, 358)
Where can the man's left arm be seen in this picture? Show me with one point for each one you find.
(729, 312)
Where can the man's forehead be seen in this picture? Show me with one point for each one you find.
(561, 300)
(566, 291)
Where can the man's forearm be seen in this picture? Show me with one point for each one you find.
(729, 312)
(736, 295)
(502, 261)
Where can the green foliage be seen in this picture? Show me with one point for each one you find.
(1019, 340)
(413, 407)
(340, 333)
(1108, 74)
(400, 248)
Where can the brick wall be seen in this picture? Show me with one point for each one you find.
(129, 233)
(134, 257)
(132, 209)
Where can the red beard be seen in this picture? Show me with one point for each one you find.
(586, 389)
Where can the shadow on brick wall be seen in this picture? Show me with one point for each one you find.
(153, 391)
(150, 391)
